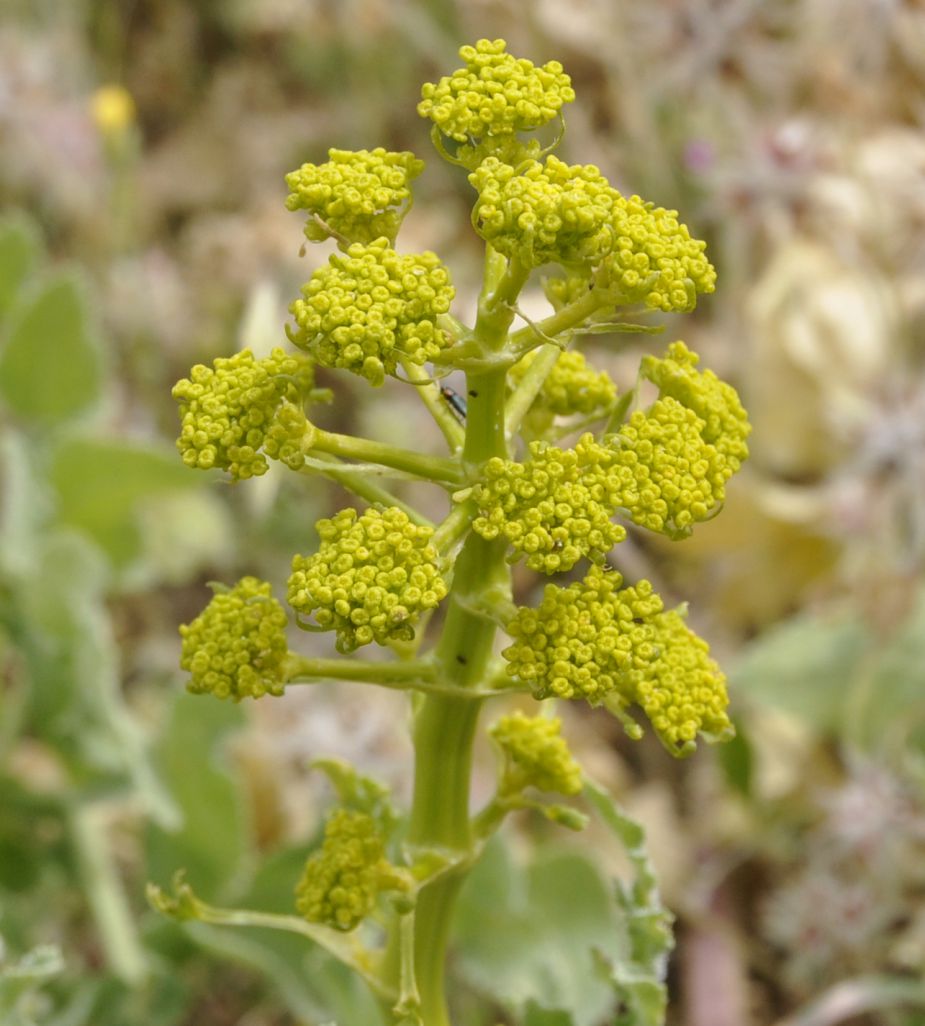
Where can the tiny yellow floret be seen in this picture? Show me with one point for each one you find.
(237, 646)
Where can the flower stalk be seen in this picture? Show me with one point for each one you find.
(440, 597)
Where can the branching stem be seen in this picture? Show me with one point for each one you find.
(427, 468)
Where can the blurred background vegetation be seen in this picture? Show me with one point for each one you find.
(142, 149)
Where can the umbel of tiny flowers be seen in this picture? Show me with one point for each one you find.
(535, 754)
(356, 196)
(556, 213)
(554, 508)
(231, 411)
(236, 647)
(372, 577)
(613, 645)
(371, 308)
(485, 104)
(342, 881)
(571, 387)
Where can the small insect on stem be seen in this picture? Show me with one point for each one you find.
(455, 402)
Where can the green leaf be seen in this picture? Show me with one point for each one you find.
(51, 366)
(536, 1016)
(508, 948)
(212, 843)
(890, 706)
(20, 247)
(837, 677)
(638, 974)
(24, 505)
(75, 698)
(805, 667)
(736, 759)
(101, 486)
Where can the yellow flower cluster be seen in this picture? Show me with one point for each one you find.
(371, 578)
(536, 754)
(361, 195)
(543, 213)
(553, 212)
(586, 640)
(653, 258)
(674, 478)
(573, 386)
(682, 691)
(237, 646)
(716, 403)
(228, 411)
(555, 507)
(341, 882)
(495, 94)
(371, 307)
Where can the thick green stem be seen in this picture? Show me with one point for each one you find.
(444, 726)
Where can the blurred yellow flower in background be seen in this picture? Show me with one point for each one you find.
(113, 109)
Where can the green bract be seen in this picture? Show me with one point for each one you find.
(536, 753)
(495, 94)
(229, 410)
(372, 308)
(371, 578)
(236, 647)
(358, 195)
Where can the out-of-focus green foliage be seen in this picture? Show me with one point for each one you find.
(840, 675)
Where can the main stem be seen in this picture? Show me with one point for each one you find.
(444, 726)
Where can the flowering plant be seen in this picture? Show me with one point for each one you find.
(379, 891)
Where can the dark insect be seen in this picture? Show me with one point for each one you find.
(455, 402)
